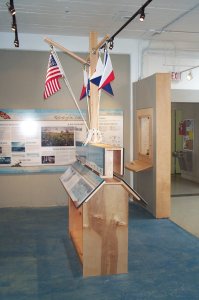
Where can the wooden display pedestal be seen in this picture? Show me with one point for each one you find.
(99, 230)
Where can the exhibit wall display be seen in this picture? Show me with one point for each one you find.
(45, 140)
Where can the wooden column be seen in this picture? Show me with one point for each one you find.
(163, 145)
(94, 98)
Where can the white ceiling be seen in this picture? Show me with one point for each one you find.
(166, 20)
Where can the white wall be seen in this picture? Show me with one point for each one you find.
(147, 57)
(165, 57)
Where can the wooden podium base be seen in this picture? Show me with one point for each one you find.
(99, 230)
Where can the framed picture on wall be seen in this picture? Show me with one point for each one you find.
(188, 136)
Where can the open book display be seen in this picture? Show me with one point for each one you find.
(80, 183)
(95, 164)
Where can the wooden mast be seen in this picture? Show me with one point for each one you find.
(94, 94)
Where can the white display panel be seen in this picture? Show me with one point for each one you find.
(44, 140)
(111, 127)
(32, 142)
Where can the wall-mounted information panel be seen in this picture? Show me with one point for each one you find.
(39, 138)
(45, 140)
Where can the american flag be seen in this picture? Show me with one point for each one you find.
(53, 74)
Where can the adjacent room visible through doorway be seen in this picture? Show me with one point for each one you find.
(185, 166)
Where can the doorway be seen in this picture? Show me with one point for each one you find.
(184, 165)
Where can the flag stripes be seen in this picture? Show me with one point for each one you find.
(108, 73)
(86, 86)
(52, 84)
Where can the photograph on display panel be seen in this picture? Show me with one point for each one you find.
(57, 136)
(36, 138)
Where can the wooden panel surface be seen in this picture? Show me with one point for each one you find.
(138, 166)
(108, 164)
(163, 145)
(76, 227)
(105, 232)
(154, 184)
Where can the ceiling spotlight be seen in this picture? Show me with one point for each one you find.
(142, 15)
(111, 45)
(14, 24)
(11, 9)
(16, 43)
(189, 76)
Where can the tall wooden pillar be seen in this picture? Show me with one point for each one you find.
(94, 97)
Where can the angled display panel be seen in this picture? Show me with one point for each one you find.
(80, 183)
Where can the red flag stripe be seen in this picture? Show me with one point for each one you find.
(110, 78)
(53, 74)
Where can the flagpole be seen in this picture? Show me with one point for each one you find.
(89, 118)
(87, 99)
(73, 96)
(69, 88)
(99, 99)
(100, 91)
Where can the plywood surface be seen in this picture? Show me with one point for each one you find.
(107, 146)
(163, 145)
(154, 92)
(138, 166)
(76, 227)
(105, 238)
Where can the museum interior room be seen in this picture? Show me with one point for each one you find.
(99, 149)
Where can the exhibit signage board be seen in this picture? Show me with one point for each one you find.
(36, 138)
(111, 127)
(44, 140)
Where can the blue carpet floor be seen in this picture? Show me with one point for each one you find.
(38, 261)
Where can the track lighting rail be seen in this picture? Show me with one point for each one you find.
(142, 16)
(12, 11)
